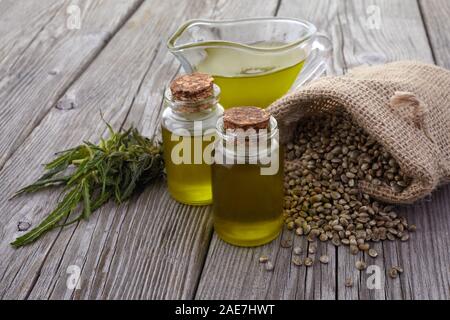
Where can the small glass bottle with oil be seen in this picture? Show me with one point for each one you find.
(247, 179)
(188, 130)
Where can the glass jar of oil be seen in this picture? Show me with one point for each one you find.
(188, 132)
(247, 184)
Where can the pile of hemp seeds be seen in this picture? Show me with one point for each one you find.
(324, 163)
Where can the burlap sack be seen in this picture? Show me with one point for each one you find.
(403, 105)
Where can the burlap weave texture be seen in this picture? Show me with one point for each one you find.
(403, 105)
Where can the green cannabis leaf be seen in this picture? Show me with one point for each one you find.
(113, 169)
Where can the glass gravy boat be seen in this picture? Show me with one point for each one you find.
(254, 61)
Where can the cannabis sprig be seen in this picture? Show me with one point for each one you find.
(113, 169)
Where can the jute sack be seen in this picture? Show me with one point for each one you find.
(403, 105)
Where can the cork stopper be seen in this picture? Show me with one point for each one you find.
(192, 87)
(245, 118)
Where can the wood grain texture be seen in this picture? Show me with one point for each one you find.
(21, 23)
(432, 241)
(357, 39)
(150, 247)
(436, 15)
(41, 54)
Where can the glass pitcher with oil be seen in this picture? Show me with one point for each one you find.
(254, 61)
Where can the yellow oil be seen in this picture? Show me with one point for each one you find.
(258, 90)
(247, 206)
(252, 79)
(187, 183)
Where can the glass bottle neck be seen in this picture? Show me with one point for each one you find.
(247, 144)
(193, 109)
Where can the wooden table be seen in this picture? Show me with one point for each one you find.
(54, 79)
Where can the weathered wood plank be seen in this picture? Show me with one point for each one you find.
(20, 23)
(110, 85)
(151, 247)
(357, 38)
(431, 215)
(436, 15)
(47, 54)
(46, 65)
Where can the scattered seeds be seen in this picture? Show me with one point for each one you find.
(325, 164)
(297, 261)
(286, 243)
(336, 241)
(360, 265)
(399, 269)
(390, 236)
(373, 253)
(308, 261)
(364, 246)
(312, 248)
(324, 259)
(290, 225)
(263, 259)
(354, 249)
(393, 273)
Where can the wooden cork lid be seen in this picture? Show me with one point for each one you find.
(192, 87)
(245, 118)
